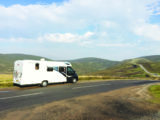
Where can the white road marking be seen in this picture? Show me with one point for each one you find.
(89, 86)
(4, 98)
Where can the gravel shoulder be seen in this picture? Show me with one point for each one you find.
(130, 103)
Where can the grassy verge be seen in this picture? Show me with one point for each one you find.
(90, 77)
(155, 92)
(81, 78)
(6, 80)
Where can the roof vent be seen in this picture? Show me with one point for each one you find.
(67, 63)
(42, 59)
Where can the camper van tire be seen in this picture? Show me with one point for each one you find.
(44, 83)
(74, 80)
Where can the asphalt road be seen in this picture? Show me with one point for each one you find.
(20, 98)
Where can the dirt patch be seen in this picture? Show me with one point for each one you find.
(123, 104)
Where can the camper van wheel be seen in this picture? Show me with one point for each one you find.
(44, 84)
(74, 80)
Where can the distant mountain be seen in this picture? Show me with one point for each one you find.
(7, 61)
(88, 65)
(153, 58)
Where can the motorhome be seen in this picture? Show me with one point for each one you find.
(42, 72)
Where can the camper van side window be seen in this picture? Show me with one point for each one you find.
(49, 69)
(37, 66)
(55, 68)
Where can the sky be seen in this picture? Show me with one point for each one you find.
(71, 29)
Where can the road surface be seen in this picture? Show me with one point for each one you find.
(17, 99)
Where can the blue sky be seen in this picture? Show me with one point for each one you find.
(69, 29)
(8, 3)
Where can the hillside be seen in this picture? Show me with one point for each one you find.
(153, 58)
(153, 67)
(151, 63)
(7, 61)
(82, 66)
(124, 69)
(128, 68)
(94, 66)
(88, 65)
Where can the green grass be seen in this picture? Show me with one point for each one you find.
(155, 92)
(6, 80)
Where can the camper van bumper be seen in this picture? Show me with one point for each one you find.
(16, 84)
(21, 85)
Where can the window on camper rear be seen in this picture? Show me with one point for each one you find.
(37, 66)
(49, 69)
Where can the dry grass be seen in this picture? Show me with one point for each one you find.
(91, 77)
(6, 80)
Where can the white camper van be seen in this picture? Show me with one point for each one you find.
(30, 72)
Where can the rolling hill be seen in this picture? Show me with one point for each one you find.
(153, 58)
(130, 68)
(124, 69)
(82, 66)
(94, 66)
(7, 61)
(88, 65)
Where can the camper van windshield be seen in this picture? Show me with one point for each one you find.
(70, 71)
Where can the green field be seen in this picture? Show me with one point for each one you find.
(154, 90)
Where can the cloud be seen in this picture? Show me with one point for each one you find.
(75, 17)
(56, 38)
(16, 39)
(66, 37)
(149, 31)
(116, 45)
